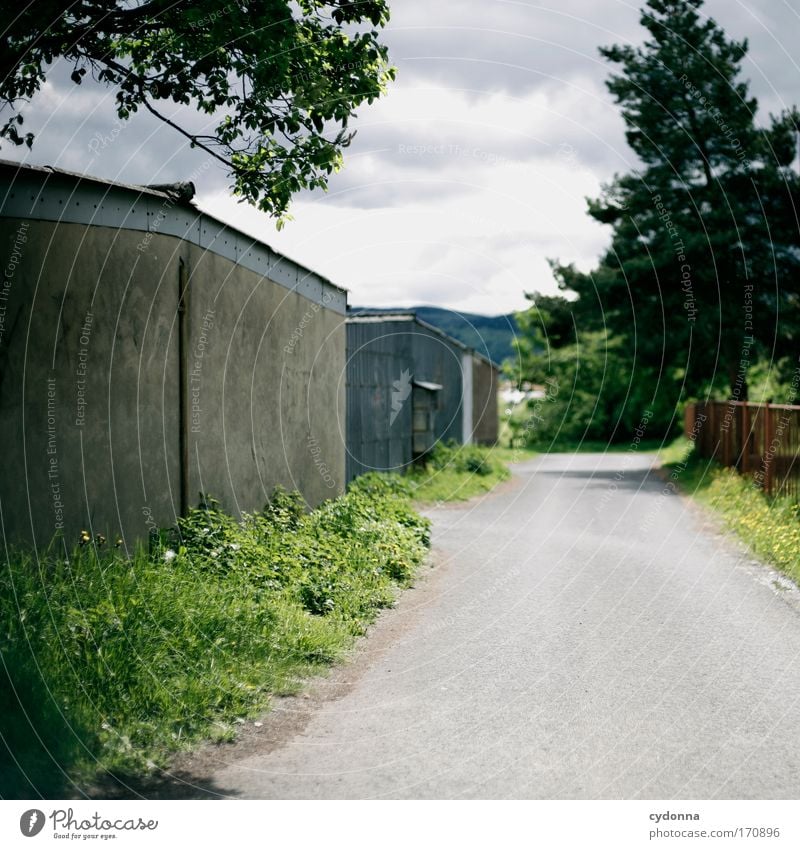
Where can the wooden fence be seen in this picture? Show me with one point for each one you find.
(761, 441)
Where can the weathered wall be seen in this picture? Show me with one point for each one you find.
(378, 435)
(437, 360)
(89, 393)
(266, 387)
(384, 357)
(88, 383)
(485, 416)
(467, 400)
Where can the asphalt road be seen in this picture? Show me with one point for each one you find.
(584, 635)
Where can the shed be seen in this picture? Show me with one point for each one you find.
(149, 351)
(409, 386)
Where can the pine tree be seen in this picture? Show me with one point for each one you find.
(701, 276)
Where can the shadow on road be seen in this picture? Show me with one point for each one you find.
(623, 478)
(176, 784)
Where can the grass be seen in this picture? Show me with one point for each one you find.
(459, 472)
(112, 663)
(769, 526)
(674, 453)
(513, 455)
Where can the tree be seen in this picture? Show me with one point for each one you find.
(280, 80)
(701, 276)
(593, 391)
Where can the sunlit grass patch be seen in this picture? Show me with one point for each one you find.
(769, 526)
(114, 663)
(455, 472)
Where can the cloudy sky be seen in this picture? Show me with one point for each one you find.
(468, 175)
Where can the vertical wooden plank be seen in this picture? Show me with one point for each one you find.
(745, 438)
(768, 460)
(712, 431)
(689, 415)
(726, 439)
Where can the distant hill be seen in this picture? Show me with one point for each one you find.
(490, 335)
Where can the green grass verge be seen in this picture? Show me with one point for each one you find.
(513, 455)
(769, 526)
(458, 472)
(114, 663)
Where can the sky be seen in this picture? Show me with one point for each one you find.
(468, 175)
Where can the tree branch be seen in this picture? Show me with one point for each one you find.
(185, 133)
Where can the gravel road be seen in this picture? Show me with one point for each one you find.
(585, 634)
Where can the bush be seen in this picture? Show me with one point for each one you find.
(595, 391)
(381, 485)
(464, 459)
(454, 472)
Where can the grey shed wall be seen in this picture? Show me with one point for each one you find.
(380, 355)
(89, 363)
(485, 414)
(438, 360)
(377, 355)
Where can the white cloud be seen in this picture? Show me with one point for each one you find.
(468, 175)
(471, 227)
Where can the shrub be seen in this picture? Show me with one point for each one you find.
(465, 459)
(381, 485)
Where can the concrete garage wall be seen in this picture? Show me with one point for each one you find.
(88, 384)
(90, 352)
(485, 416)
(266, 388)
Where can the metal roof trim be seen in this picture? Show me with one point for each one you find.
(377, 317)
(190, 223)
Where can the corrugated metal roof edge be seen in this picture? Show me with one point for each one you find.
(147, 190)
(366, 317)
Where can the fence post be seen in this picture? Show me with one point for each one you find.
(726, 438)
(712, 429)
(737, 443)
(767, 444)
(745, 438)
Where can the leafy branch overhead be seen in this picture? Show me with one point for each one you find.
(279, 80)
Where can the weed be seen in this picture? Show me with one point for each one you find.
(113, 663)
(455, 472)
